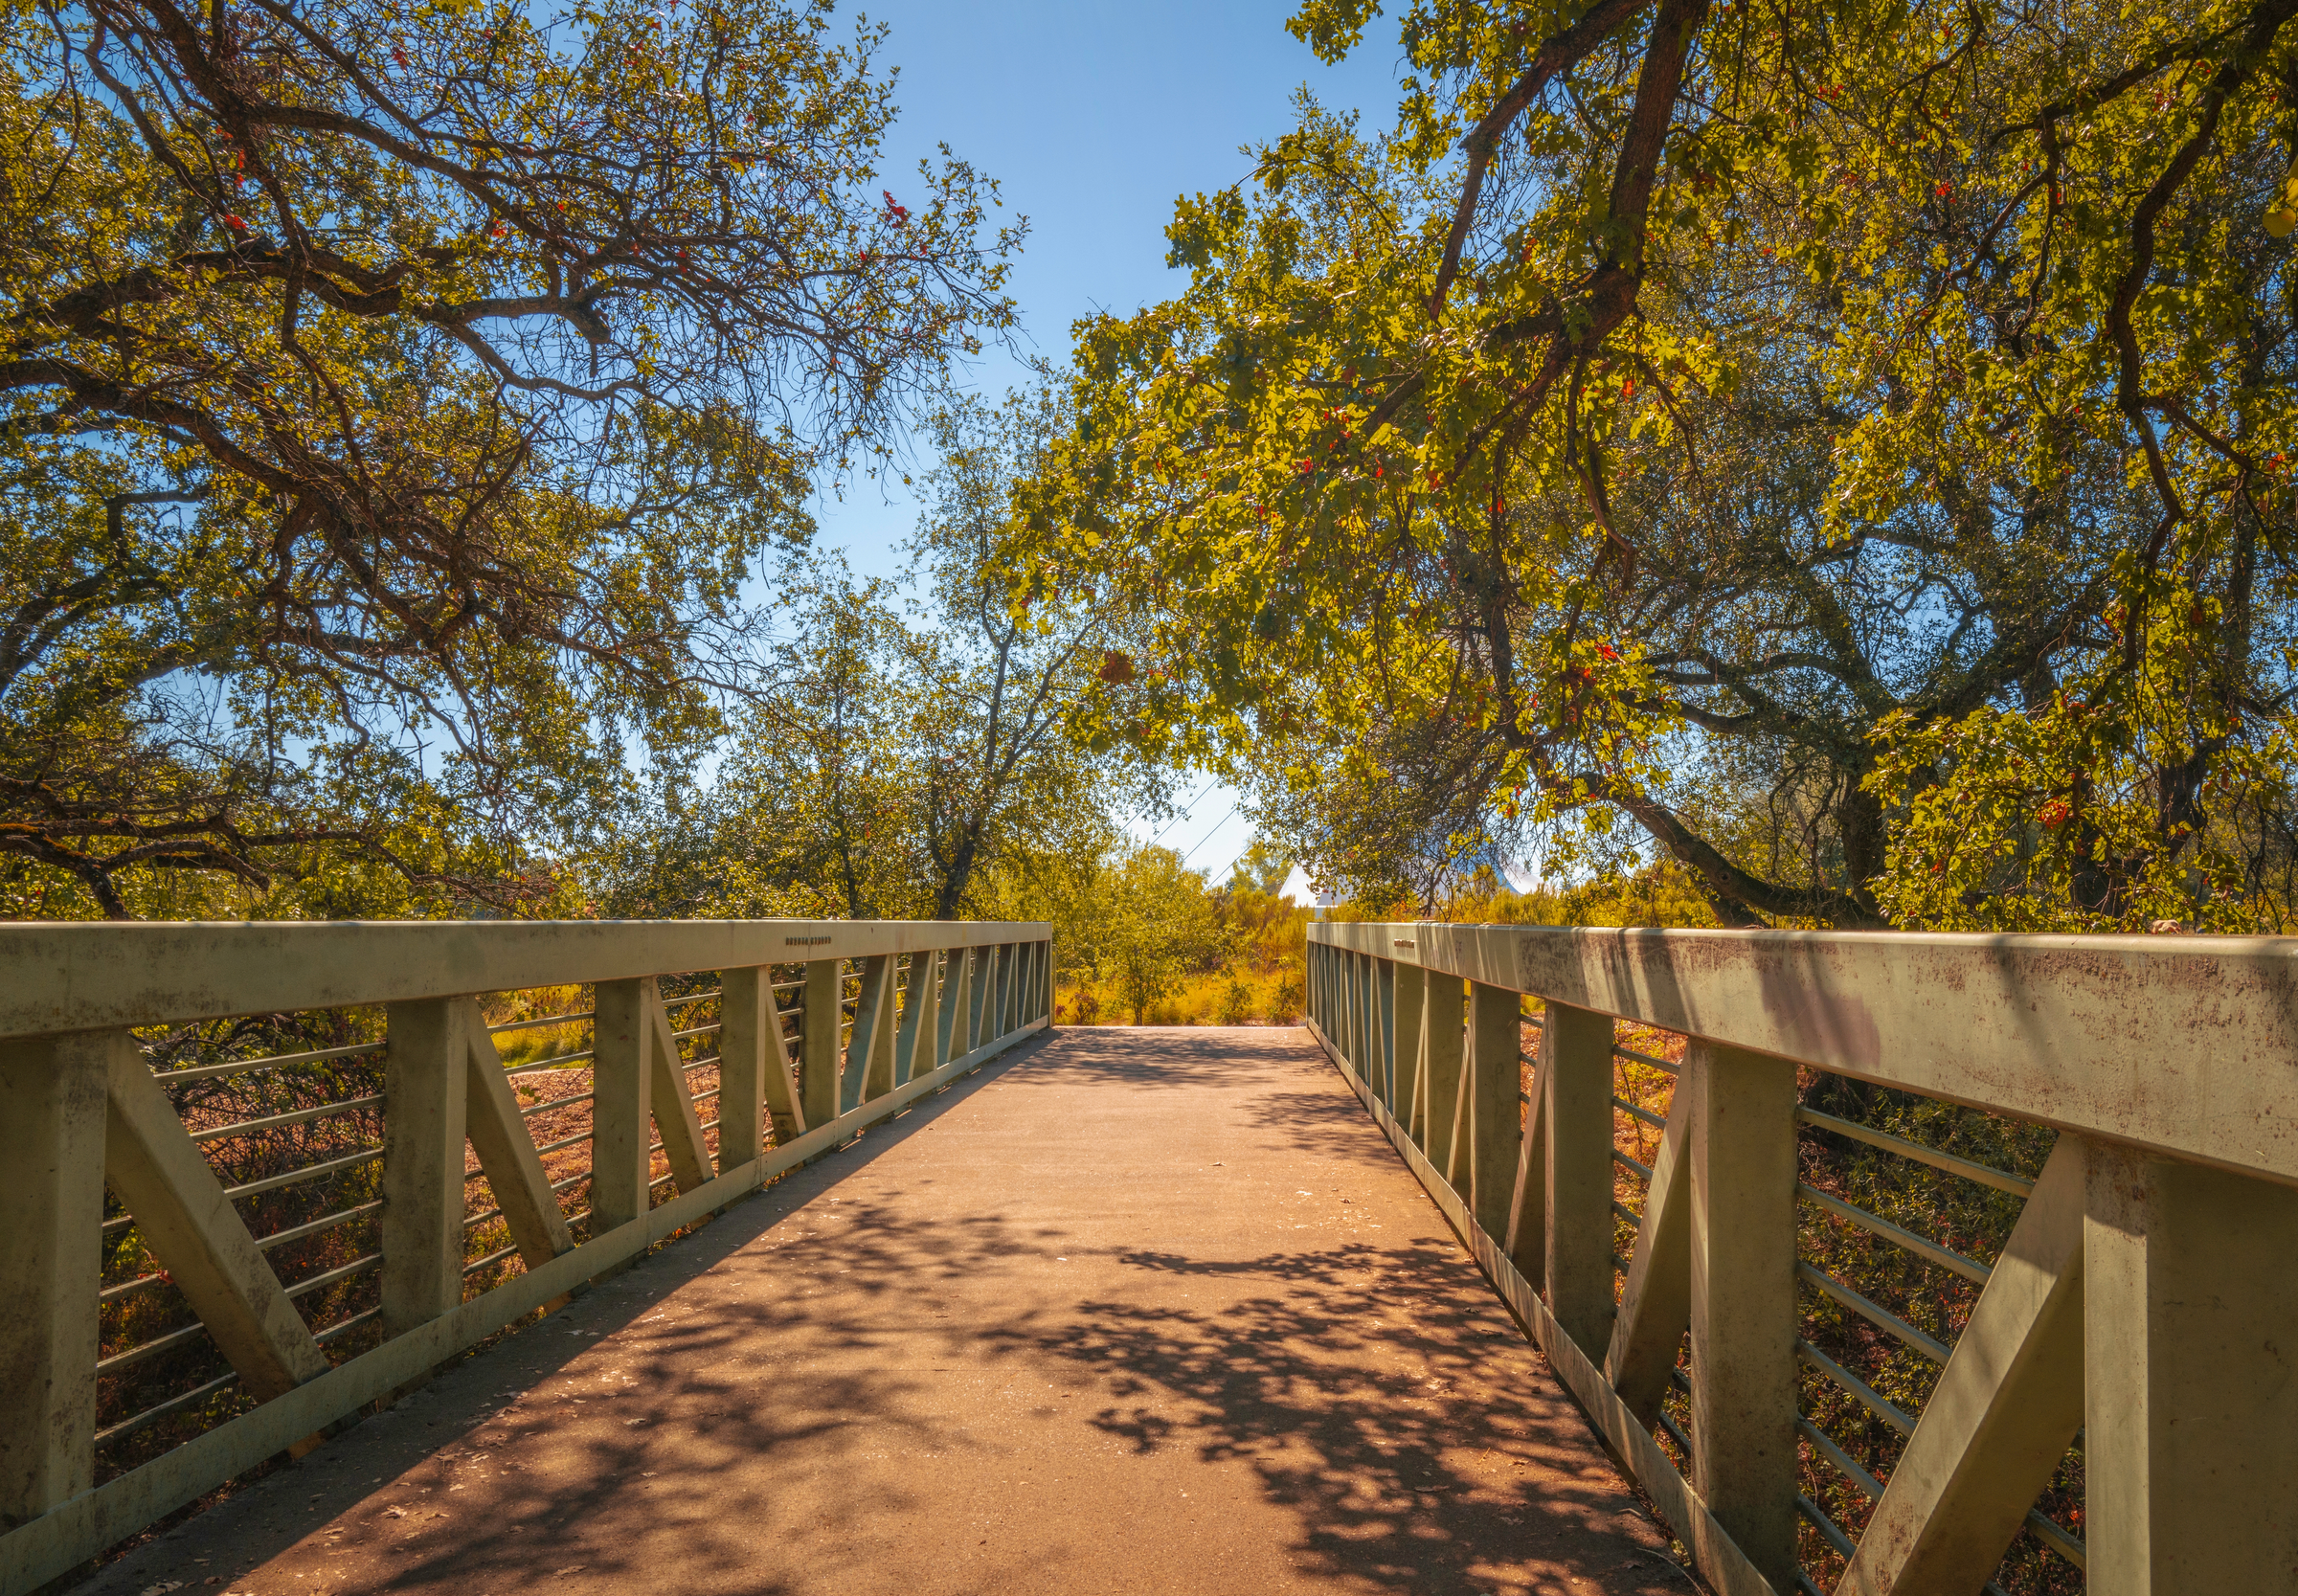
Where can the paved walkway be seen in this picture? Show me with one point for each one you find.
(1130, 1311)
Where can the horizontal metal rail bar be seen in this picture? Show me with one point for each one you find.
(1676, 1431)
(528, 1111)
(277, 1061)
(491, 1259)
(1828, 1530)
(152, 1348)
(1844, 1464)
(313, 1227)
(1986, 1175)
(2069, 1547)
(1922, 1247)
(556, 1060)
(324, 1337)
(563, 1142)
(334, 1277)
(1642, 1172)
(1625, 1212)
(127, 1287)
(693, 997)
(1645, 1059)
(698, 1030)
(300, 1116)
(1874, 1401)
(545, 1020)
(1656, 1121)
(313, 1172)
(1883, 1317)
(174, 1404)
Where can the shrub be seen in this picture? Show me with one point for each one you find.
(1285, 1008)
(1236, 1003)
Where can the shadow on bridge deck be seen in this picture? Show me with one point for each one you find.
(1130, 1311)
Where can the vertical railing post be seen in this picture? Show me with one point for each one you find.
(921, 1007)
(2190, 1309)
(622, 1106)
(1576, 1089)
(51, 1118)
(425, 1106)
(1493, 1109)
(1744, 1318)
(1407, 984)
(1353, 965)
(1384, 1030)
(981, 1015)
(824, 1042)
(748, 1036)
(1441, 1090)
(956, 1004)
(1025, 985)
(869, 1051)
(1007, 956)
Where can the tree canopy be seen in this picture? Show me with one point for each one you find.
(1849, 445)
(398, 397)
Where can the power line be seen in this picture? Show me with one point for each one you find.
(1208, 836)
(1184, 814)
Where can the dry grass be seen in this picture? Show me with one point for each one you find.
(1212, 998)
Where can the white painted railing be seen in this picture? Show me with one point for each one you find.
(208, 1263)
(2108, 1400)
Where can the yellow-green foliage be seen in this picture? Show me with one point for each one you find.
(1160, 947)
(1215, 997)
(1663, 895)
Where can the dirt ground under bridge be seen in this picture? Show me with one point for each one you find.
(1127, 1311)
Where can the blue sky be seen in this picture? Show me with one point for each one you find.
(1093, 118)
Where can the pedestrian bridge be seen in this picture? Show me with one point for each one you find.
(803, 1257)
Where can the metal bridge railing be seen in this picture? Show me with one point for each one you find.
(1883, 1263)
(254, 1178)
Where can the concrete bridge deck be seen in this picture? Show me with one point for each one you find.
(1129, 1311)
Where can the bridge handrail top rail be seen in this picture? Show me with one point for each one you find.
(65, 976)
(2184, 1046)
(1337, 933)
